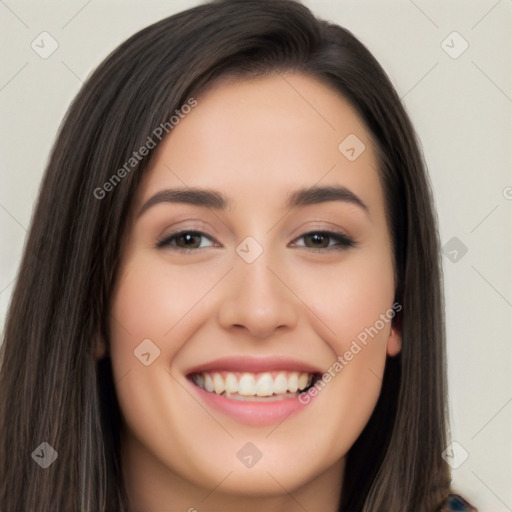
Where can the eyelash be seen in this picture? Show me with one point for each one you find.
(343, 241)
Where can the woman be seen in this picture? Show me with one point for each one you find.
(231, 293)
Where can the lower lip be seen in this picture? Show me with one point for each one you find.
(250, 412)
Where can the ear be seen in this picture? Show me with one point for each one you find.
(99, 350)
(394, 344)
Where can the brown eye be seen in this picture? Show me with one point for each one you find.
(324, 240)
(188, 241)
(185, 240)
(317, 240)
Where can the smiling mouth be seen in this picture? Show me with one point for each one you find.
(263, 386)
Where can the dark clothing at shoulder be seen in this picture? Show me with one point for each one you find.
(456, 503)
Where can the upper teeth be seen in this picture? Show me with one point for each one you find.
(253, 384)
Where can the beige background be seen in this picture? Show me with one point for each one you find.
(461, 108)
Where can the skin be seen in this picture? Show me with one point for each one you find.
(255, 141)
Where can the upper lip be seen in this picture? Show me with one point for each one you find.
(254, 365)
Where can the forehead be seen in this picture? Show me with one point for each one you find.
(266, 137)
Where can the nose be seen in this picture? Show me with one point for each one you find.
(257, 299)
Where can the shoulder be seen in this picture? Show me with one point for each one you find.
(456, 503)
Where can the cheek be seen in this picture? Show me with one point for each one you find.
(354, 314)
(159, 302)
(152, 297)
(351, 305)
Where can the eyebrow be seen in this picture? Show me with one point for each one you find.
(218, 201)
(315, 195)
(196, 196)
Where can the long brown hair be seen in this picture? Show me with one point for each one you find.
(51, 388)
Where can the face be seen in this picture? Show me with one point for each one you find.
(258, 264)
